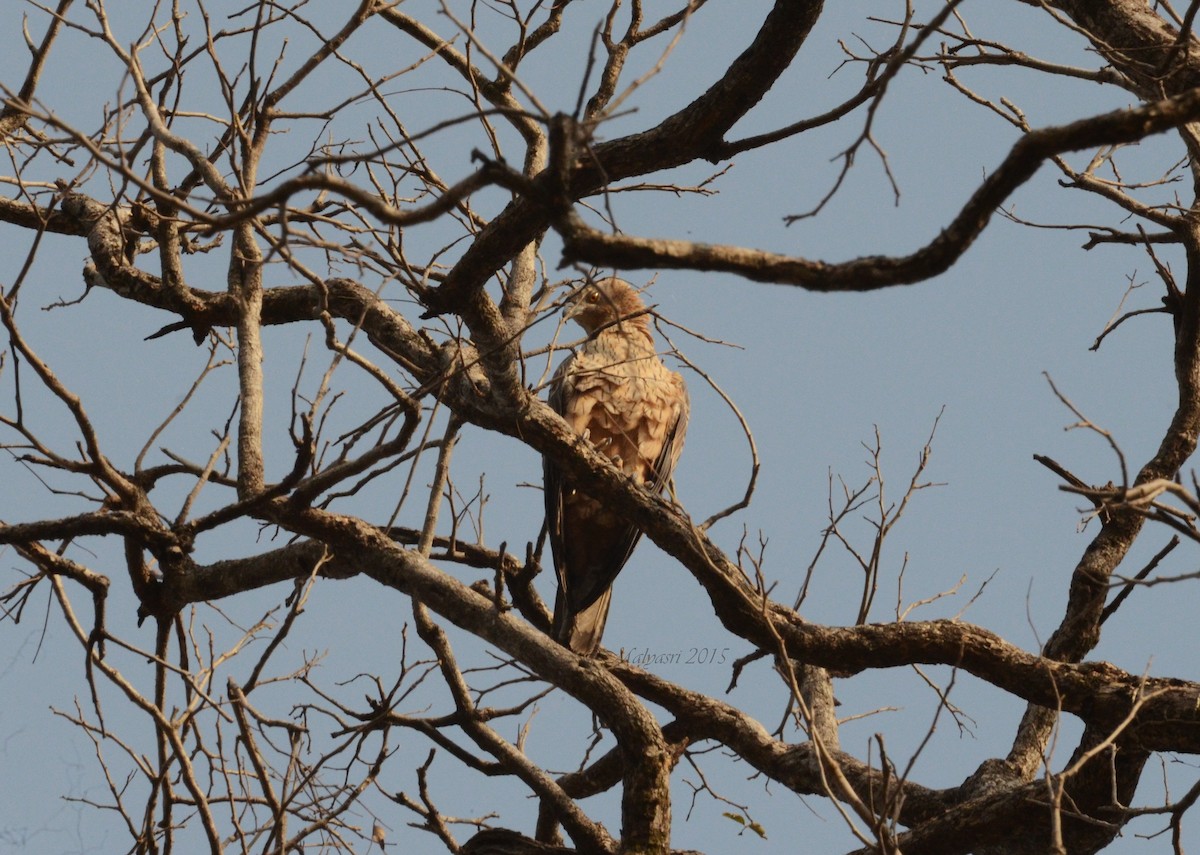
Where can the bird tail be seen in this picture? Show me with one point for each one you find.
(582, 631)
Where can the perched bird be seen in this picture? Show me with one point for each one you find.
(379, 835)
(616, 393)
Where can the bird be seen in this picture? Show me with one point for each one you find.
(379, 835)
(615, 392)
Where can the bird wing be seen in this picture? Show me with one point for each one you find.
(552, 480)
(669, 420)
(664, 465)
(590, 543)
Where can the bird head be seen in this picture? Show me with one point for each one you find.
(603, 302)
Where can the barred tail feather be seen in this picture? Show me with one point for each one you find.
(581, 632)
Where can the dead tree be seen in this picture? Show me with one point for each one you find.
(364, 220)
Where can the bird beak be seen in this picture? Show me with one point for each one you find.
(574, 304)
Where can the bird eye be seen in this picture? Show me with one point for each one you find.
(593, 297)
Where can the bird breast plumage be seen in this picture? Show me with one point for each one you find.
(623, 399)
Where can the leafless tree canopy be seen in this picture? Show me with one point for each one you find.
(398, 187)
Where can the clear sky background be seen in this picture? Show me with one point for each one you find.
(815, 376)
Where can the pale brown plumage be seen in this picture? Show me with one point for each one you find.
(617, 393)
